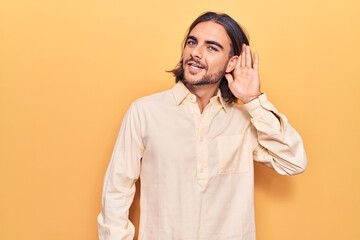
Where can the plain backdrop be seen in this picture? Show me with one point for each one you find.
(69, 70)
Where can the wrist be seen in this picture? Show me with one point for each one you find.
(249, 99)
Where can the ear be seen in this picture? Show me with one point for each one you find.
(231, 64)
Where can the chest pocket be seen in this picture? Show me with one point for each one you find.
(235, 154)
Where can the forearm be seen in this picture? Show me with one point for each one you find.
(113, 221)
(279, 145)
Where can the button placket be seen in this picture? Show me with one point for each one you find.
(202, 158)
(202, 125)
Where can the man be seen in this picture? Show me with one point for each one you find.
(193, 146)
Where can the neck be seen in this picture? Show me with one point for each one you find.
(203, 93)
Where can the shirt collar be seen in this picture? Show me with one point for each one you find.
(181, 92)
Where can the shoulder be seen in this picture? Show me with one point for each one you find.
(153, 100)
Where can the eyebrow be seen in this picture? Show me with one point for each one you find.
(207, 42)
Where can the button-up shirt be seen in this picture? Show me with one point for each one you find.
(196, 168)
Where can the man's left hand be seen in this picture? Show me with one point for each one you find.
(244, 80)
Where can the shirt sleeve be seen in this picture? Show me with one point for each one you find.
(119, 182)
(279, 145)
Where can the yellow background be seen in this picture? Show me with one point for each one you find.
(69, 70)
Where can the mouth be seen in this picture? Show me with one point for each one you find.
(195, 66)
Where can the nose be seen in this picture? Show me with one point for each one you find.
(197, 52)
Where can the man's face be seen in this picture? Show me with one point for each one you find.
(206, 54)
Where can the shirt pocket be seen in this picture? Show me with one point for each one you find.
(234, 154)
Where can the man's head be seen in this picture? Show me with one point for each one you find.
(211, 48)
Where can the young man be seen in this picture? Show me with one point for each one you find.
(194, 148)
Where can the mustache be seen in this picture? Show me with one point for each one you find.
(196, 61)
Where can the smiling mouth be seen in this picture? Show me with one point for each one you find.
(195, 65)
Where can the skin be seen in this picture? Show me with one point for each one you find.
(206, 59)
(244, 81)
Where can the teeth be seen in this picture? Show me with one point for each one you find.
(195, 66)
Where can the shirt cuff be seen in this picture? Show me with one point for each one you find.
(257, 106)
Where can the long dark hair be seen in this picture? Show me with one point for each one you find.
(237, 37)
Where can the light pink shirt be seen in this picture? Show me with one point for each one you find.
(196, 170)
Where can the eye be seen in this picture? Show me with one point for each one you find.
(212, 48)
(191, 42)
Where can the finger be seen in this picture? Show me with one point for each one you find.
(256, 61)
(248, 60)
(242, 64)
(229, 78)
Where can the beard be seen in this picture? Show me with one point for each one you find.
(212, 78)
